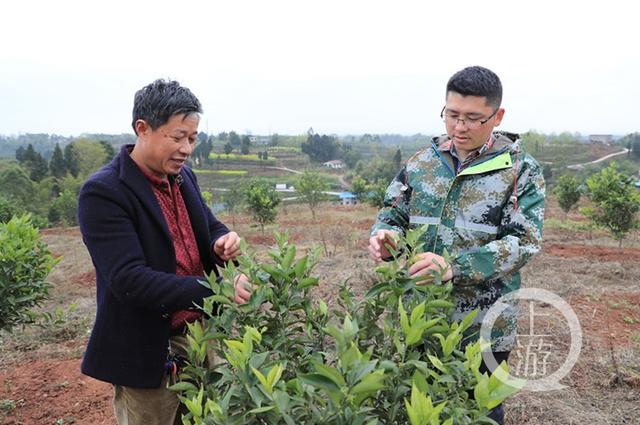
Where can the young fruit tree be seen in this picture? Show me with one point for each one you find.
(311, 187)
(233, 200)
(393, 356)
(25, 263)
(568, 192)
(261, 200)
(616, 202)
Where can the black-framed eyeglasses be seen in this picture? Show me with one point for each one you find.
(470, 123)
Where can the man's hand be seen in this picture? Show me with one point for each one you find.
(242, 289)
(377, 242)
(227, 247)
(425, 263)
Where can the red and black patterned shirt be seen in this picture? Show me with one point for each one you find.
(175, 213)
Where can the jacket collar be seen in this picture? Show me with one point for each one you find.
(132, 177)
(502, 141)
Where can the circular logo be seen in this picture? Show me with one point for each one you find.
(546, 383)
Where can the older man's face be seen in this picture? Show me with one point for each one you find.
(165, 150)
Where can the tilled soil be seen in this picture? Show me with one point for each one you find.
(41, 382)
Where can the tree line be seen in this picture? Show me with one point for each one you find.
(48, 190)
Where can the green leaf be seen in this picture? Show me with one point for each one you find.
(499, 390)
(420, 408)
(220, 299)
(274, 375)
(376, 290)
(414, 417)
(418, 312)
(404, 321)
(308, 281)
(468, 320)
(262, 409)
(451, 342)
(415, 335)
(272, 270)
(420, 381)
(319, 381)
(370, 383)
(322, 306)
(262, 379)
(275, 254)
(434, 417)
(437, 363)
(481, 392)
(350, 357)
(439, 304)
(329, 372)
(183, 387)
(281, 399)
(195, 404)
(258, 359)
(287, 260)
(500, 394)
(389, 366)
(300, 267)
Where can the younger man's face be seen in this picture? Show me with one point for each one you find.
(464, 115)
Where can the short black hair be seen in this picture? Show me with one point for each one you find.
(157, 102)
(477, 81)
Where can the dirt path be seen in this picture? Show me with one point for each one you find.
(604, 158)
(285, 169)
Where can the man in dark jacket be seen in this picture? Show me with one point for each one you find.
(151, 238)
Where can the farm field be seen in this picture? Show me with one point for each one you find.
(40, 381)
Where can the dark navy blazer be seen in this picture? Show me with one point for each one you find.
(127, 236)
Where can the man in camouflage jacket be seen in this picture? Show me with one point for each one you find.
(482, 198)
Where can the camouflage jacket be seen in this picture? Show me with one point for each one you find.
(489, 229)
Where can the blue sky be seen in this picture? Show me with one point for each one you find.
(345, 67)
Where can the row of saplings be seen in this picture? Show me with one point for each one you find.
(391, 357)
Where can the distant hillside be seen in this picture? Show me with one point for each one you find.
(45, 143)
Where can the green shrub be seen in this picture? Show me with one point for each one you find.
(261, 200)
(568, 192)
(64, 209)
(392, 357)
(25, 263)
(616, 202)
(8, 209)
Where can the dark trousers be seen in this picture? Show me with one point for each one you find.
(497, 414)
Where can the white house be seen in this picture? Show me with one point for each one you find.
(348, 198)
(334, 163)
(282, 187)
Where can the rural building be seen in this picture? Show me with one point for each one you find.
(347, 198)
(282, 187)
(334, 163)
(601, 138)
